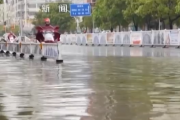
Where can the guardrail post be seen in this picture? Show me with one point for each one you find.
(21, 54)
(178, 39)
(164, 36)
(59, 59)
(2, 51)
(31, 56)
(130, 39)
(141, 39)
(14, 50)
(152, 39)
(43, 58)
(7, 51)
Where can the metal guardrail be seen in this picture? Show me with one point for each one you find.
(153, 38)
(162, 38)
(46, 50)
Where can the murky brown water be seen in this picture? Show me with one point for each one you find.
(90, 88)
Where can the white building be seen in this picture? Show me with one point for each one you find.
(6, 13)
(1, 14)
(10, 11)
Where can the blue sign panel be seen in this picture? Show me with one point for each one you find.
(80, 10)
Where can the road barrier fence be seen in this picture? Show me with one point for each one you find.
(46, 50)
(152, 38)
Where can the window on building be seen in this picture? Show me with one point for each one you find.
(47, 1)
(32, 5)
(39, 5)
(20, 6)
(20, 14)
(32, 13)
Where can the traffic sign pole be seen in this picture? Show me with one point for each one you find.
(80, 10)
(77, 23)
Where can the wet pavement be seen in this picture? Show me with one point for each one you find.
(93, 86)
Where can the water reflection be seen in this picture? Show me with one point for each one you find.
(91, 88)
(2, 117)
(119, 51)
(136, 89)
(37, 90)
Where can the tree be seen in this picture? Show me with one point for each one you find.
(99, 14)
(1, 1)
(64, 20)
(108, 13)
(116, 11)
(130, 13)
(160, 9)
(87, 23)
(112, 13)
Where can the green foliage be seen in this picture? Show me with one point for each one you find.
(112, 13)
(8, 29)
(87, 22)
(16, 30)
(163, 9)
(63, 20)
(109, 13)
(1, 1)
(1, 30)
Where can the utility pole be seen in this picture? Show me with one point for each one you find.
(93, 21)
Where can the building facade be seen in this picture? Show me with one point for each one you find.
(12, 11)
(6, 13)
(1, 13)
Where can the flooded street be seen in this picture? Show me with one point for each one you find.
(110, 86)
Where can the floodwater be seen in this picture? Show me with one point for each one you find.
(92, 87)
